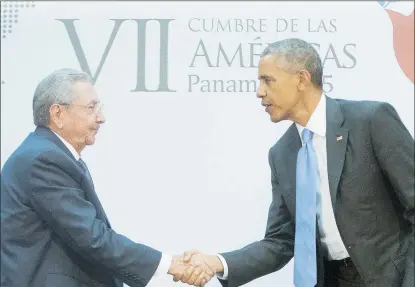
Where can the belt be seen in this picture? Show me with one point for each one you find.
(342, 262)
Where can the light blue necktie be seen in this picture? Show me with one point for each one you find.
(307, 187)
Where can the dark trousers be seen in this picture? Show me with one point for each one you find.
(341, 273)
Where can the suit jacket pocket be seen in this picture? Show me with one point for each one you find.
(54, 280)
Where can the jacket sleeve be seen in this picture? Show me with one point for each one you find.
(394, 150)
(58, 200)
(269, 254)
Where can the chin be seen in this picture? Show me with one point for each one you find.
(90, 141)
(275, 119)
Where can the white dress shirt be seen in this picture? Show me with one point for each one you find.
(69, 146)
(329, 233)
(165, 261)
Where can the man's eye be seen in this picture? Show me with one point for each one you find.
(91, 107)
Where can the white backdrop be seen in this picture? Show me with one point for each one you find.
(189, 169)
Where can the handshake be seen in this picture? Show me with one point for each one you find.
(195, 268)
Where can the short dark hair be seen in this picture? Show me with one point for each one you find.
(299, 55)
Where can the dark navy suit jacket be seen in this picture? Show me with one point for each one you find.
(54, 231)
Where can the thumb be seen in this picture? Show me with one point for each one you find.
(188, 255)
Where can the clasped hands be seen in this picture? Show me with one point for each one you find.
(195, 268)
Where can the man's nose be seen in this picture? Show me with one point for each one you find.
(101, 117)
(260, 93)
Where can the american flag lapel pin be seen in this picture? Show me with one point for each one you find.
(339, 138)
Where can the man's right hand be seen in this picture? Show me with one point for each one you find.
(211, 264)
(193, 272)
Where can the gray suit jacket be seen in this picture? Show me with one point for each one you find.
(371, 179)
(54, 231)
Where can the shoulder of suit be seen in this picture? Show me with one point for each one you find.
(34, 150)
(31, 149)
(283, 141)
(362, 109)
(41, 145)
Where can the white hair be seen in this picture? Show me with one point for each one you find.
(56, 88)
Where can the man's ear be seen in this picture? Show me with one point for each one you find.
(56, 115)
(304, 80)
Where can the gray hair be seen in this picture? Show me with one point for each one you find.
(56, 88)
(298, 55)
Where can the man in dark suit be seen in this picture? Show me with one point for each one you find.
(342, 185)
(54, 231)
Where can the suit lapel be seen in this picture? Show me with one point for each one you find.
(288, 167)
(93, 198)
(90, 190)
(293, 148)
(336, 141)
(336, 138)
(48, 134)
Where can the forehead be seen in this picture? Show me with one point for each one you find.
(84, 92)
(269, 64)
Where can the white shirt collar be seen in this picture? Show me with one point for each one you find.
(70, 147)
(317, 121)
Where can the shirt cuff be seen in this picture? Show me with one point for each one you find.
(224, 275)
(164, 265)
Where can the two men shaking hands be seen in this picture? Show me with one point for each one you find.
(195, 268)
(342, 179)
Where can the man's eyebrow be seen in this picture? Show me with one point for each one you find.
(93, 102)
(266, 77)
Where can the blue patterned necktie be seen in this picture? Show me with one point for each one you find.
(86, 170)
(307, 187)
(93, 194)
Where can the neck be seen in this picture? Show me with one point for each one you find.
(78, 148)
(305, 107)
(72, 142)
